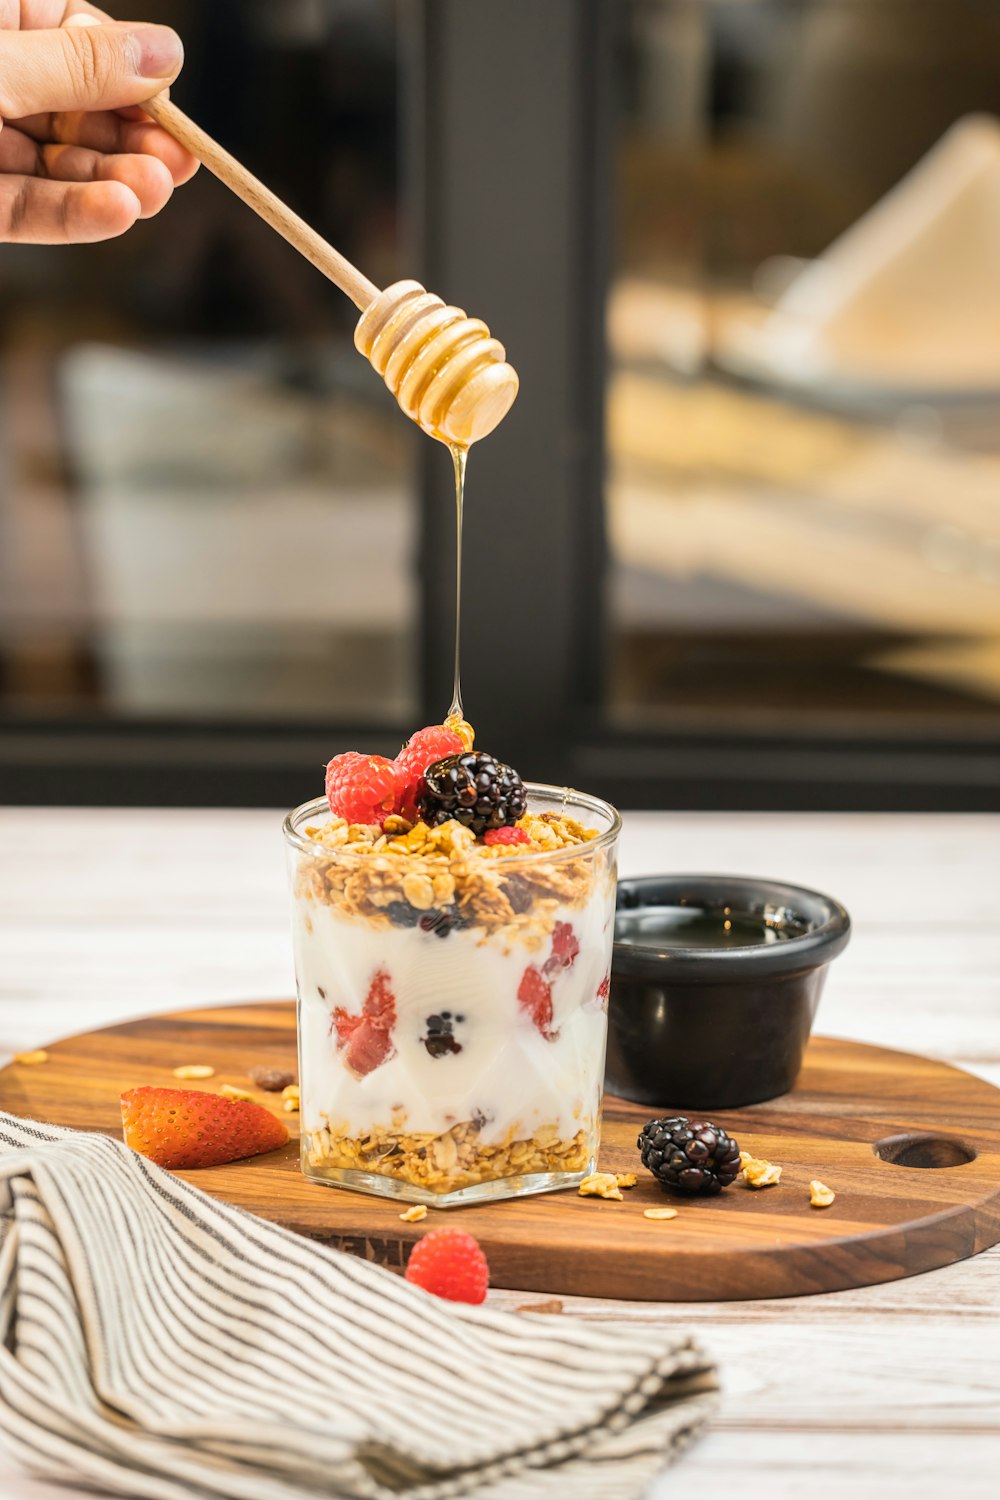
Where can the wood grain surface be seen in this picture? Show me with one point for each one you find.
(910, 1146)
(885, 1392)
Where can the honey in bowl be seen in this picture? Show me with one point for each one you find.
(694, 926)
(715, 980)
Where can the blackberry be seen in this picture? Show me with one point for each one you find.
(440, 1039)
(402, 914)
(689, 1156)
(441, 923)
(520, 893)
(473, 788)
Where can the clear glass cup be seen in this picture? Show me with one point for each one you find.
(452, 1008)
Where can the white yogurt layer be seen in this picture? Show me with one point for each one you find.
(507, 1074)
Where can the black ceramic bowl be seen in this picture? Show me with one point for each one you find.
(715, 981)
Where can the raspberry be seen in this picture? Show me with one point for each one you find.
(361, 788)
(506, 836)
(449, 1263)
(565, 947)
(420, 751)
(366, 1040)
(535, 995)
(604, 990)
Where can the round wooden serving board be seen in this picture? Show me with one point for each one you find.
(935, 1200)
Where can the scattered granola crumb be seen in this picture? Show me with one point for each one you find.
(601, 1185)
(32, 1059)
(820, 1196)
(271, 1080)
(194, 1070)
(231, 1092)
(759, 1173)
(626, 1179)
(415, 1214)
(659, 1213)
(553, 1305)
(291, 1105)
(290, 1091)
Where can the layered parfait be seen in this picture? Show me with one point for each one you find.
(452, 931)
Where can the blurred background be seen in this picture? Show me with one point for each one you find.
(737, 545)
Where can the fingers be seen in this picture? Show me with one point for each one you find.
(37, 14)
(148, 178)
(107, 132)
(85, 67)
(36, 212)
(143, 138)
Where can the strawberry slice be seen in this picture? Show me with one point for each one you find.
(368, 1048)
(366, 1040)
(179, 1128)
(535, 995)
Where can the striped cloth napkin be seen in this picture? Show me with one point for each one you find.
(155, 1342)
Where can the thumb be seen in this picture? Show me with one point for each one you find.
(85, 67)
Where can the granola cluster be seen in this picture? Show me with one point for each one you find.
(448, 1162)
(367, 873)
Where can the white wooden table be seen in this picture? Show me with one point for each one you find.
(890, 1391)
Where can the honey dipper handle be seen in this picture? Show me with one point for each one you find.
(260, 198)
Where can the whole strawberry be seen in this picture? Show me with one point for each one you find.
(420, 751)
(179, 1128)
(361, 788)
(449, 1263)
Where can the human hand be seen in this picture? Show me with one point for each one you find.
(72, 170)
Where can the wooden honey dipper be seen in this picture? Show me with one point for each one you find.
(444, 369)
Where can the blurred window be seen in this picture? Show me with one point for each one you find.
(207, 501)
(738, 543)
(803, 385)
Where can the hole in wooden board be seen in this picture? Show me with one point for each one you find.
(924, 1151)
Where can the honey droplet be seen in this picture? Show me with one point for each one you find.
(462, 728)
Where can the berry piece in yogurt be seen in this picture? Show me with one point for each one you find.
(366, 1040)
(535, 995)
(440, 1039)
(565, 947)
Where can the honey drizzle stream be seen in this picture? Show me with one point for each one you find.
(459, 457)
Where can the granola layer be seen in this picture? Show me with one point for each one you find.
(365, 873)
(449, 1162)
